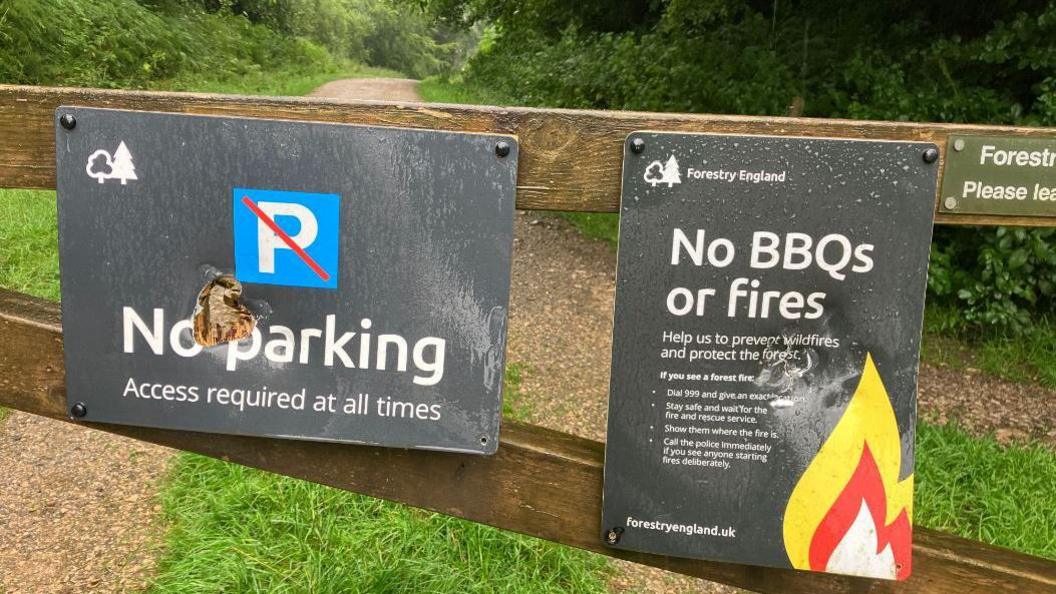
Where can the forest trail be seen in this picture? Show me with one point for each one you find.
(379, 89)
(78, 511)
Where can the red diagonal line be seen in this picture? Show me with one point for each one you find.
(286, 239)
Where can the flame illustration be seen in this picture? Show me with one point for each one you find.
(849, 513)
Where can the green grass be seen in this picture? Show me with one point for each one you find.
(1030, 358)
(515, 404)
(236, 529)
(29, 258)
(979, 489)
(440, 90)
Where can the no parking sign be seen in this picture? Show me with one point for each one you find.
(286, 238)
(366, 271)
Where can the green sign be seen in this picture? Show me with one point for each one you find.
(1000, 175)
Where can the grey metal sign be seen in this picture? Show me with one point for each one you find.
(1000, 175)
(364, 273)
(768, 313)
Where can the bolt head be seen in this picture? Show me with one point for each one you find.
(958, 145)
(612, 537)
(931, 155)
(637, 146)
(78, 410)
(950, 203)
(67, 121)
(502, 148)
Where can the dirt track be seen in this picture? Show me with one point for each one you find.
(386, 89)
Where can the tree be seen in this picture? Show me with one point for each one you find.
(654, 174)
(123, 168)
(671, 174)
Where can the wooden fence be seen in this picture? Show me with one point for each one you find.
(541, 483)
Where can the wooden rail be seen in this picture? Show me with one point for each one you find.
(569, 159)
(541, 482)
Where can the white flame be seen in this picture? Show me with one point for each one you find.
(856, 554)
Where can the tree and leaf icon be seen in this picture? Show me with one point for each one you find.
(103, 166)
(663, 173)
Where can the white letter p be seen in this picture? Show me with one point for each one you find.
(268, 241)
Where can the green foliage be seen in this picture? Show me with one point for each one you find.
(988, 62)
(235, 529)
(374, 32)
(175, 44)
(515, 403)
(981, 490)
(1000, 278)
(123, 44)
(403, 40)
(29, 253)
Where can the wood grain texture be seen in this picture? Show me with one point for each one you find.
(569, 160)
(541, 482)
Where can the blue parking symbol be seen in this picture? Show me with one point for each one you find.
(286, 238)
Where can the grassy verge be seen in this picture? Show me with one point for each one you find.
(515, 404)
(29, 256)
(440, 90)
(1029, 358)
(979, 489)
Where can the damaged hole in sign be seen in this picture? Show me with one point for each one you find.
(219, 315)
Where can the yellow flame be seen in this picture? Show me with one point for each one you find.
(869, 418)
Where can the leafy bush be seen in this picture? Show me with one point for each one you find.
(1002, 277)
(123, 44)
(162, 43)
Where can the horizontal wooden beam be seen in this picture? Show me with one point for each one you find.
(541, 483)
(569, 159)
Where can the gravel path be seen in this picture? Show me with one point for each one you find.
(382, 89)
(77, 509)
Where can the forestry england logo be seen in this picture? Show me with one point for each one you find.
(103, 166)
(661, 173)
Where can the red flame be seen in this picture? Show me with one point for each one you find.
(866, 485)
